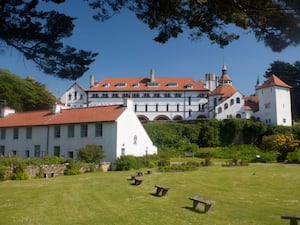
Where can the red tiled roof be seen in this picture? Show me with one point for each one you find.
(251, 103)
(273, 81)
(140, 84)
(66, 116)
(225, 77)
(226, 90)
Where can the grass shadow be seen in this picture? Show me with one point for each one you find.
(194, 210)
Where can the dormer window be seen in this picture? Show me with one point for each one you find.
(121, 84)
(172, 84)
(136, 84)
(152, 84)
(189, 86)
(106, 85)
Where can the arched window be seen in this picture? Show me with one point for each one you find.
(231, 102)
(219, 110)
(238, 100)
(226, 106)
(238, 116)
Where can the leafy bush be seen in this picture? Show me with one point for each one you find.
(73, 168)
(293, 156)
(127, 162)
(2, 172)
(19, 176)
(90, 153)
(188, 166)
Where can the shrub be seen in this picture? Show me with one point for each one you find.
(127, 162)
(2, 172)
(19, 176)
(293, 156)
(73, 168)
(90, 153)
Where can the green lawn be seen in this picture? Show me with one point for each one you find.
(257, 194)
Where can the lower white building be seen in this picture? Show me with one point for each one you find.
(61, 132)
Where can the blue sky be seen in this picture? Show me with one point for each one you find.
(126, 49)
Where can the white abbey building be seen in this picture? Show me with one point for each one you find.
(173, 98)
(61, 132)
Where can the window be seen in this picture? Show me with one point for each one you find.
(27, 153)
(121, 84)
(156, 107)
(167, 95)
(135, 95)
(28, 132)
(284, 120)
(37, 151)
(238, 116)
(126, 95)
(56, 151)
(75, 95)
(167, 108)
(190, 100)
(98, 129)
(231, 102)
(190, 113)
(219, 110)
(268, 105)
(16, 133)
(105, 95)
(146, 108)
(95, 95)
(238, 100)
(56, 131)
(122, 151)
(146, 95)
(71, 155)
(115, 95)
(2, 150)
(189, 86)
(14, 152)
(81, 97)
(3, 133)
(84, 130)
(152, 84)
(69, 97)
(178, 107)
(172, 84)
(71, 131)
(215, 101)
(200, 107)
(177, 95)
(226, 106)
(135, 107)
(156, 95)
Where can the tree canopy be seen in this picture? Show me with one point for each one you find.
(39, 35)
(24, 94)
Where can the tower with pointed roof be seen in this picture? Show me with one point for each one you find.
(274, 102)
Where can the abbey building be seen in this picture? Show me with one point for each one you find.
(183, 98)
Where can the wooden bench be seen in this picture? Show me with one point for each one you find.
(199, 200)
(137, 181)
(161, 191)
(293, 218)
(149, 172)
(132, 177)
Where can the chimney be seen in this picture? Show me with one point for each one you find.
(92, 80)
(57, 108)
(152, 75)
(128, 103)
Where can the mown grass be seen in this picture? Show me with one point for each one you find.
(257, 194)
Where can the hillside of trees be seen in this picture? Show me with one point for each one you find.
(24, 94)
(177, 138)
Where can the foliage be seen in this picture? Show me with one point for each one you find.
(293, 156)
(180, 167)
(281, 143)
(274, 22)
(127, 162)
(209, 133)
(252, 131)
(24, 94)
(72, 168)
(290, 74)
(90, 153)
(229, 128)
(39, 35)
(48, 160)
(3, 170)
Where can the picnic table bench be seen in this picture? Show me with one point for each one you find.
(137, 181)
(200, 200)
(140, 173)
(293, 218)
(161, 191)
